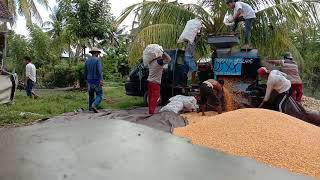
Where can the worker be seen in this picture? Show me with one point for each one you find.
(289, 67)
(211, 93)
(277, 81)
(93, 76)
(30, 76)
(154, 80)
(282, 102)
(242, 12)
(190, 64)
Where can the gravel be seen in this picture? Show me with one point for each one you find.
(269, 137)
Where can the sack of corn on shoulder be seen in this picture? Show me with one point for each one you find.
(190, 31)
(151, 52)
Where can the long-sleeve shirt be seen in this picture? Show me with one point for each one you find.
(277, 81)
(93, 70)
(31, 72)
(292, 71)
(155, 69)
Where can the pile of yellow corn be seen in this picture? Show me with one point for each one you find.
(267, 136)
(311, 103)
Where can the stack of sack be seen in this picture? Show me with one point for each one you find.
(181, 103)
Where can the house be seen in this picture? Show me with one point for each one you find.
(5, 17)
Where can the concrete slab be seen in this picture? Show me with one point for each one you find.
(114, 149)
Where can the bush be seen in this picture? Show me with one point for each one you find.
(62, 76)
(79, 72)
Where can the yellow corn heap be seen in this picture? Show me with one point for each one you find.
(267, 136)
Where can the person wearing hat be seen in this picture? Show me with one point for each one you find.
(242, 12)
(93, 76)
(211, 93)
(276, 81)
(289, 67)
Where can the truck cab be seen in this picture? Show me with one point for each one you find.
(172, 78)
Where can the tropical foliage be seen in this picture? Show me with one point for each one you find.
(59, 47)
(26, 8)
(162, 22)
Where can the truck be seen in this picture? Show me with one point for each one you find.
(237, 67)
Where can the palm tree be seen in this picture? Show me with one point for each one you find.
(162, 22)
(26, 8)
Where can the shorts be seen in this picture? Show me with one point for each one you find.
(191, 64)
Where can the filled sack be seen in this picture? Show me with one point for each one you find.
(190, 31)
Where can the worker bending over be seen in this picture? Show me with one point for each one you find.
(289, 67)
(154, 80)
(278, 82)
(211, 94)
(282, 102)
(242, 12)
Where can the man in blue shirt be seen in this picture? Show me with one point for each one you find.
(93, 76)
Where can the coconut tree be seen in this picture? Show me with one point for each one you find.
(162, 22)
(26, 8)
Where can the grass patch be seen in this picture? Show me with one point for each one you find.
(52, 103)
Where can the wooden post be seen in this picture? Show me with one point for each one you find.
(4, 54)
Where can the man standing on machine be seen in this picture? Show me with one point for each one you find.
(243, 12)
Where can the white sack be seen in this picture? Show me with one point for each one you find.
(228, 20)
(190, 31)
(174, 106)
(189, 102)
(5, 89)
(151, 52)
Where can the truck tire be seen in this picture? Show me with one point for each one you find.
(146, 99)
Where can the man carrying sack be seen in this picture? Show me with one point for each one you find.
(154, 58)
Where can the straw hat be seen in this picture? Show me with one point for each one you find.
(94, 49)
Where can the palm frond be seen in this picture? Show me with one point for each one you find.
(127, 11)
(24, 10)
(165, 35)
(35, 12)
(160, 12)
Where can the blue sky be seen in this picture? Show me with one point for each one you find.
(116, 9)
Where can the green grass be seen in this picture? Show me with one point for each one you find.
(52, 103)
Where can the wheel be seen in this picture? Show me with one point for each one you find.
(146, 99)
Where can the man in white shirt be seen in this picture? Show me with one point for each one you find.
(289, 67)
(278, 82)
(243, 12)
(30, 76)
